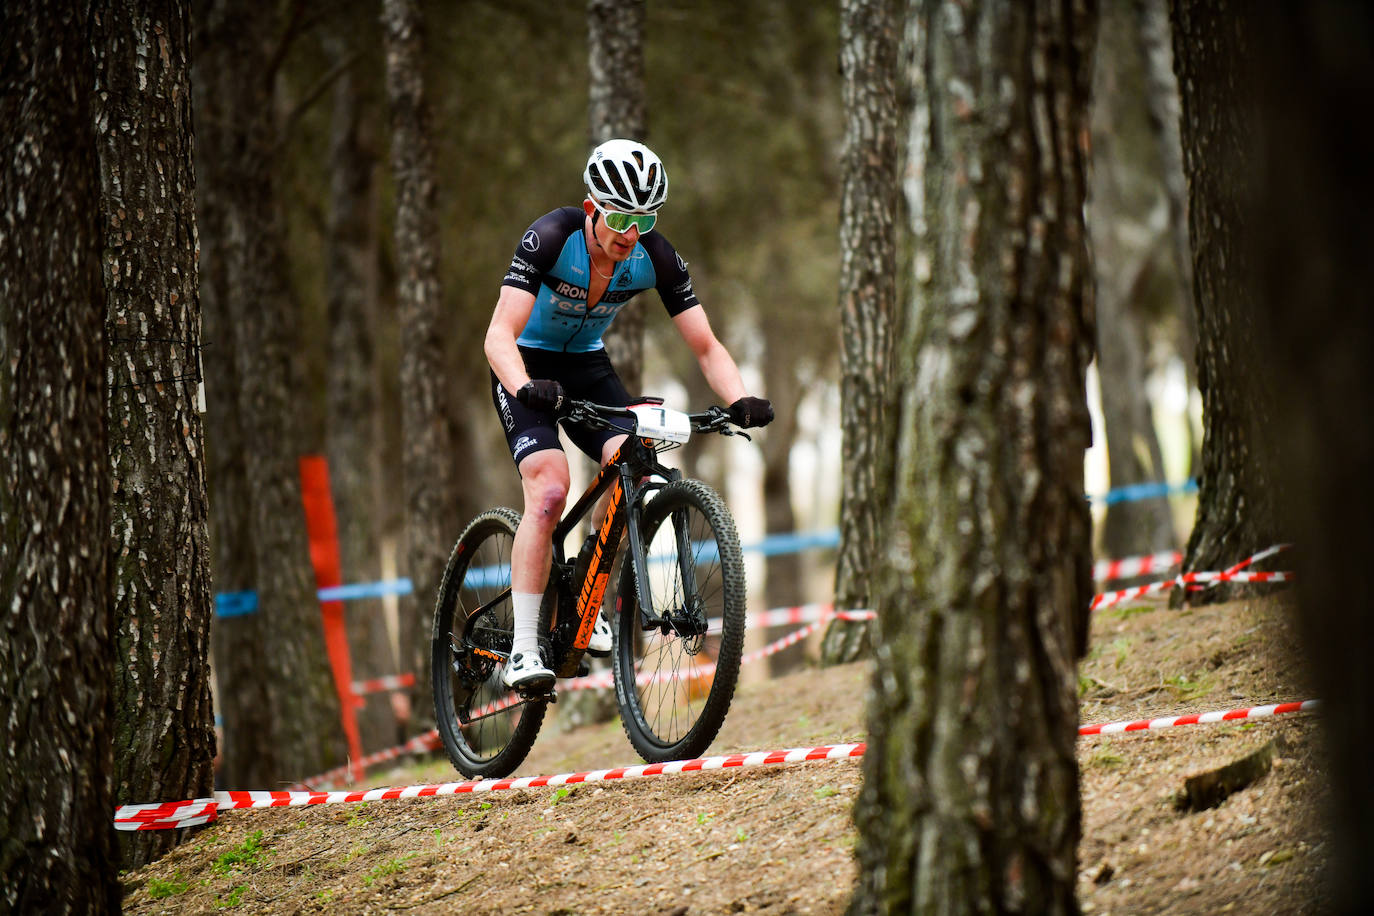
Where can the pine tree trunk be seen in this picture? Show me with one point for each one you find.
(1122, 200)
(1313, 242)
(868, 296)
(164, 731)
(429, 461)
(1237, 488)
(242, 701)
(303, 737)
(970, 799)
(616, 108)
(354, 428)
(57, 848)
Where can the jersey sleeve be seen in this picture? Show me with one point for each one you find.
(673, 282)
(538, 249)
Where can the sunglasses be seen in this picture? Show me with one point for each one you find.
(620, 222)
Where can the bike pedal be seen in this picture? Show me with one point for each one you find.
(545, 694)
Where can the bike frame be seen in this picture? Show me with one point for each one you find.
(626, 478)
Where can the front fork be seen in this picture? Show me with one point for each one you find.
(648, 619)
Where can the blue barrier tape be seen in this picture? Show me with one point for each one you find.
(235, 604)
(1138, 491)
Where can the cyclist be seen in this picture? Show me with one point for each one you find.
(573, 270)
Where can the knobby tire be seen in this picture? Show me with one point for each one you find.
(477, 570)
(658, 677)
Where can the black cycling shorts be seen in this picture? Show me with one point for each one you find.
(588, 376)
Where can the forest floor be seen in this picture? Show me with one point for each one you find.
(780, 839)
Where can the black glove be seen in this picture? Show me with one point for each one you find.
(749, 412)
(541, 394)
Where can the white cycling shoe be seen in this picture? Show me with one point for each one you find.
(526, 671)
(600, 643)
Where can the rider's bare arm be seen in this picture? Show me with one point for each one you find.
(507, 321)
(717, 365)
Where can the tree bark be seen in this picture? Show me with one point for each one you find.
(303, 736)
(428, 464)
(616, 108)
(868, 305)
(1124, 195)
(970, 799)
(164, 730)
(57, 848)
(1313, 295)
(353, 432)
(1237, 487)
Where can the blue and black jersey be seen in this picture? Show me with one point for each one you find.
(552, 263)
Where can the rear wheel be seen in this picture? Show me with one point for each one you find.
(676, 663)
(472, 638)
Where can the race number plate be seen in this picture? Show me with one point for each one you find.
(662, 423)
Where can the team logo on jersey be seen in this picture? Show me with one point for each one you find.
(523, 443)
(681, 264)
(624, 279)
(531, 241)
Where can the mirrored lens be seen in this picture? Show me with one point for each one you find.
(621, 222)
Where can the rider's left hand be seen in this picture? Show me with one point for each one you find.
(749, 412)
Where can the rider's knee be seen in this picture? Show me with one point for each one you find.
(547, 499)
(546, 490)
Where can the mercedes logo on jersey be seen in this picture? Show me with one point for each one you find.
(531, 241)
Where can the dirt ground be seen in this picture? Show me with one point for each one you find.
(780, 839)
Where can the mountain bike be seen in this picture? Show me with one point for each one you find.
(676, 609)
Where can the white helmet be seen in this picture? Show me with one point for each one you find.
(626, 175)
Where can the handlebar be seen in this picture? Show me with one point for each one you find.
(713, 419)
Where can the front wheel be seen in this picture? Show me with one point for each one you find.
(486, 729)
(676, 663)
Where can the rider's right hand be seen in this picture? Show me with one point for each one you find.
(541, 394)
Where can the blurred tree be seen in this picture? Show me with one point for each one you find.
(868, 296)
(1237, 486)
(241, 702)
(1311, 196)
(164, 730)
(970, 797)
(57, 849)
(302, 736)
(353, 424)
(431, 461)
(616, 108)
(1161, 94)
(1126, 200)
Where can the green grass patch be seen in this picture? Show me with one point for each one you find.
(162, 888)
(1128, 611)
(249, 853)
(1107, 759)
(232, 899)
(390, 867)
(558, 795)
(824, 792)
(1187, 688)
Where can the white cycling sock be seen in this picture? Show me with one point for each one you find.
(526, 630)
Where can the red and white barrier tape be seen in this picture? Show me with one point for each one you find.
(382, 684)
(1107, 599)
(204, 810)
(1130, 567)
(1203, 718)
(180, 814)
